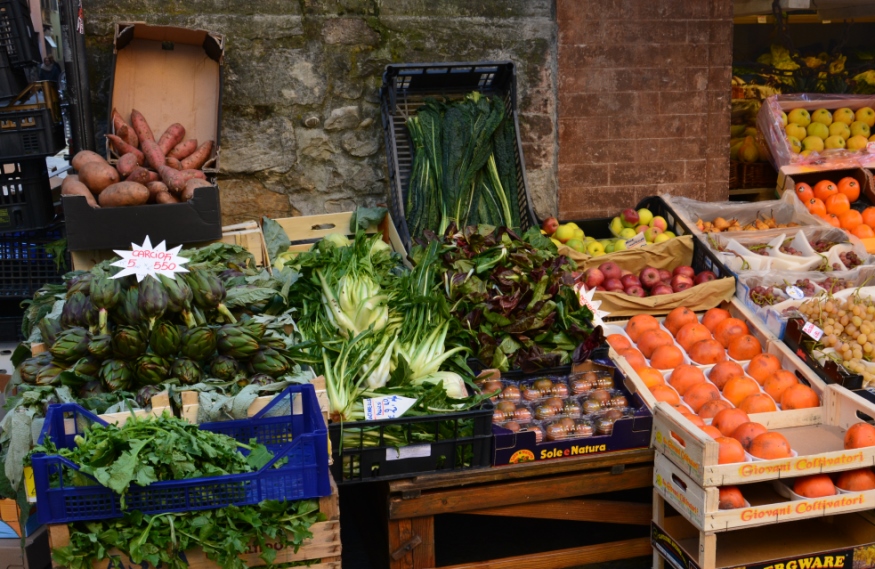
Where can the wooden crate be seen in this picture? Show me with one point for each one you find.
(324, 545)
(819, 443)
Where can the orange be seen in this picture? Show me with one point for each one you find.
(770, 445)
(799, 397)
(823, 189)
(730, 450)
(730, 498)
(694, 419)
(711, 431)
(869, 216)
(714, 317)
(678, 318)
(667, 357)
(814, 486)
(857, 480)
(685, 376)
(699, 394)
(728, 420)
(665, 393)
(850, 219)
(832, 219)
(650, 376)
(652, 339)
(816, 206)
(837, 204)
(745, 433)
(692, 334)
(744, 347)
(634, 357)
(850, 188)
(723, 372)
(639, 324)
(860, 435)
(619, 341)
(863, 231)
(710, 409)
(707, 352)
(738, 388)
(776, 385)
(758, 403)
(763, 366)
(730, 329)
(804, 192)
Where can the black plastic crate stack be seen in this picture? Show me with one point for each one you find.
(405, 88)
(19, 48)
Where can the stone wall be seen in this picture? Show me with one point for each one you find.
(301, 127)
(644, 95)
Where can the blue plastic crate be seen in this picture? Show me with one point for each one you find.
(299, 437)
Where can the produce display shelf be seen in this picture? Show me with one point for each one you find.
(829, 371)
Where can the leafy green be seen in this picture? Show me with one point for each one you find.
(58, 250)
(219, 255)
(275, 237)
(366, 217)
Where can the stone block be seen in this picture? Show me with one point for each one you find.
(349, 31)
(245, 199)
(343, 118)
(361, 143)
(253, 141)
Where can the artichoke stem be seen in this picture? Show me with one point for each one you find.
(102, 321)
(189, 319)
(223, 310)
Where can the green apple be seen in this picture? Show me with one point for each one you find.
(784, 120)
(577, 245)
(572, 224)
(796, 131)
(620, 245)
(616, 226)
(840, 129)
(800, 117)
(593, 248)
(844, 115)
(670, 234)
(835, 141)
(857, 142)
(565, 233)
(661, 238)
(812, 143)
(859, 128)
(606, 242)
(627, 233)
(822, 116)
(645, 216)
(588, 239)
(599, 254)
(795, 144)
(578, 234)
(819, 130)
(866, 115)
(609, 248)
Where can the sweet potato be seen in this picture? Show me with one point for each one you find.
(190, 185)
(154, 156)
(198, 157)
(83, 157)
(183, 149)
(153, 176)
(141, 127)
(127, 134)
(166, 197)
(124, 194)
(121, 148)
(127, 164)
(73, 187)
(173, 163)
(117, 120)
(172, 179)
(199, 174)
(140, 175)
(156, 188)
(98, 176)
(171, 137)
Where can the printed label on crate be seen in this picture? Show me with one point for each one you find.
(148, 261)
(812, 330)
(636, 242)
(586, 300)
(29, 484)
(801, 507)
(802, 463)
(412, 451)
(794, 292)
(388, 407)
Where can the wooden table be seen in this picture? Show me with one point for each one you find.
(520, 491)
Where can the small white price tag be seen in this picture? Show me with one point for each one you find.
(586, 300)
(794, 292)
(637, 241)
(412, 451)
(388, 407)
(148, 261)
(812, 330)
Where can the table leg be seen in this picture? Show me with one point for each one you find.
(411, 543)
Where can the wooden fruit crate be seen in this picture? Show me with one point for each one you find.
(324, 546)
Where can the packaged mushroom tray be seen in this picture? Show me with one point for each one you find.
(554, 415)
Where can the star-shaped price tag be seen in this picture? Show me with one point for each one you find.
(148, 261)
(585, 297)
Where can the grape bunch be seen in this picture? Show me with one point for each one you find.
(821, 246)
(806, 286)
(834, 284)
(786, 248)
(761, 249)
(848, 327)
(764, 296)
(850, 259)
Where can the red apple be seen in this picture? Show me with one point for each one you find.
(681, 282)
(630, 280)
(685, 270)
(661, 288)
(649, 277)
(550, 225)
(704, 277)
(664, 275)
(611, 270)
(613, 285)
(629, 217)
(601, 288)
(593, 278)
(636, 290)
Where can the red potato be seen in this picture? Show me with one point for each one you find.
(183, 149)
(154, 156)
(124, 194)
(83, 157)
(173, 163)
(127, 164)
(127, 134)
(141, 127)
(199, 156)
(171, 137)
(121, 148)
(190, 187)
(166, 197)
(140, 175)
(156, 188)
(71, 186)
(97, 177)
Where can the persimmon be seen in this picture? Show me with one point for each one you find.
(850, 219)
(730, 329)
(850, 188)
(860, 435)
(770, 445)
(691, 334)
(730, 451)
(858, 480)
(634, 357)
(619, 342)
(639, 324)
(744, 347)
(651, 376)
(832, 219)
(667, 357)
(684, 377)
(758, 403)
(738, 389)
(776, 385)
(665, 393)
(823, 189)
(814, 486)
(868, 216)
(804, 192)
(699, 394)
(713, 317)
(730, 498)
(728, 420)
(745, 433)
(723, 372)
(762, 367)
(710, 409)
(711, 432)
(652, 339)
(678, 318)
(707, 352)
(837, 204)
(816, 206)
(799, 396)
(863, 231)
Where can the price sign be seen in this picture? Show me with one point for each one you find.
(586, 299)
(148, 261)
(637, 241)
(795, 292)
(388, 407)
(812, 330)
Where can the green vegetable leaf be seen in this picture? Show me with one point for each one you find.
(243, 296)
(366, 217)
(275, 237)
(538, 240)
(258, 456)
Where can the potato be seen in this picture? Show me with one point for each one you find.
(73, 187)
(190, 186)
(165, 197)
(154, 156)
(171, 137)
(140, 175)
(141, 127)
(124, 194)
(98, 176)
(183, 149)
(83, 157)
(199, 157)
(173, 163)
(156, 188)
(127, 164)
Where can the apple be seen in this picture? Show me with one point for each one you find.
(835, 141)
(822, 116)
(619, 245)
(660, 222)
(601, 288)
(661, 288)
(550, 225)
(630, 280)
(564, 233)
(664, 275)
(652, 233)
(859, 128)
(616, 226)
(594, 248)
(577, 245)
(844, 115)
(624, 272)
(641, 228)
(593, 278)
(629, 217)
(685, 270)
(611, 270)
(800, 117)
(681, 282)
(795, 144)
(784, 120)
(866, 115)
(627, 233)
(795, 131)
(645, 216)
(613, 285)
(840, 129)
(812, 143)
(704, 277)
(670, 234)
(635, 290)
(857, 143)
(578, 234)
(556, 242)
(662, 238)
(649, 277)
(819, 130)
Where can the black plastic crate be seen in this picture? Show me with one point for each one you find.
(26, 264)
(32, 124)
(405, 88)
(460, 441)
(17, 36)
(12, 80)
(830, 371)
(25, 195)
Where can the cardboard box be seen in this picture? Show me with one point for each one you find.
(630, 432)
(171, 75)
(10, 520)
(193, 221)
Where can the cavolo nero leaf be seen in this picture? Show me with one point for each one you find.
(275, 237)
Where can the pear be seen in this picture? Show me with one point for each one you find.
(736, 130)
(748, 152)
(733, 150)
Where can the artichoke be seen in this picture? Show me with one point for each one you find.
(260, 379)
(209, 292)
(145, 394)
(234, 340)
(70, 345)
(128, 342)
(87, 366)
(178, 293)
(73, 313)
(151, 299)
(116, 374)
(92, 315)
(126, 311)
(49, 328)
(50, 374)
(269, 362)
(224, 368)
(30, 367)
(198, 343)
(255, 329)
(229, 274)
(151, 369)
(105, 294)
(186, 371)
(100, 346)
(274, 342)
(91, 388)
(79, 283)
(165, 339)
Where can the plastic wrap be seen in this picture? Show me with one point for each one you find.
(771, 128)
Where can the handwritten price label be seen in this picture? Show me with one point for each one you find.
(637, 241)
(813, 331)
(148, 261)
(388, 407)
